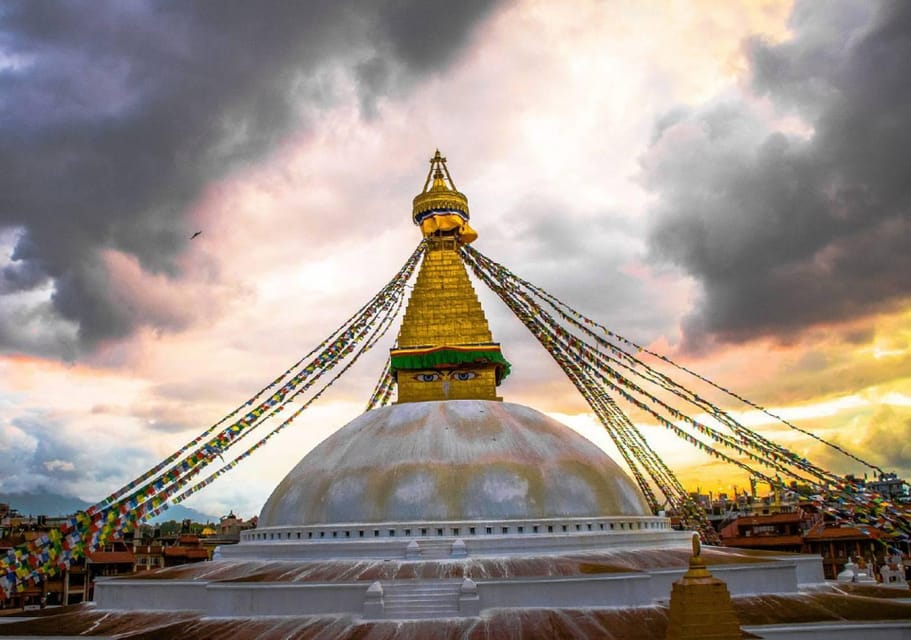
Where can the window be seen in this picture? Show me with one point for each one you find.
(455, 531)
(439, 532)
(534, 529)
(407, 532)
(564, 528)
(489, 530)
(423, 532)
(471, 531)
(376, 533)
(550, 528)
(392, 533)
(505, 529)
(521, 529)
(360, 534)
(335, 534)
(309, 534)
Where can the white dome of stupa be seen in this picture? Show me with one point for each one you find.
(459, 460)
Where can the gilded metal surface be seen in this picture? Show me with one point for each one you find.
(444, 310)
(454, 460)
(440, 195)
(701, 606)
(413, 386)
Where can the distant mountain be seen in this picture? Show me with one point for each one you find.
(43, 504)
(179, 512)
(55, 504)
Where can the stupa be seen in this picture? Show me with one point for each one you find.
(450, 513)
(450, 458)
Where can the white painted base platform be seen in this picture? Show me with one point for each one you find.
(410, 599)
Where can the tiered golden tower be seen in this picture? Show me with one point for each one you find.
(445, 350)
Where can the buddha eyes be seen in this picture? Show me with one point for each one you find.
(461, 376)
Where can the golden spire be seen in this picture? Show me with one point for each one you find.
(440, 209)
(445, 350)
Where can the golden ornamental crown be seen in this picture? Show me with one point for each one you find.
(440, 196)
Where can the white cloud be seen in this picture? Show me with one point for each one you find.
(59, 465)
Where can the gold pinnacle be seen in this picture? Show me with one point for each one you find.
(439, 195)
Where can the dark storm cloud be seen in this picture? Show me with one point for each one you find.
(114, 115)
(785, 231)
(584, 258)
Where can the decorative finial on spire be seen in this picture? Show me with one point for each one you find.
(440, 208)
(437, 167)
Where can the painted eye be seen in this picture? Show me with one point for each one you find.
(427, 377)
(464, 375)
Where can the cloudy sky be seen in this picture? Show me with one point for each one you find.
(728, 182)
